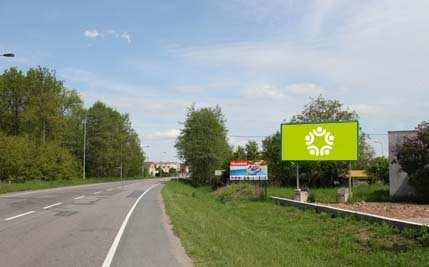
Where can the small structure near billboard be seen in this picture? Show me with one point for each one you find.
(398, 179)
(219, 172)
(319, 141)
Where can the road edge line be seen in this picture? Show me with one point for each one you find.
(114, 246)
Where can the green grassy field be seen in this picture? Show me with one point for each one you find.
(260, 233)
(38, 184)
(368, 193)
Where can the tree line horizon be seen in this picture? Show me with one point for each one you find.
(42, 131)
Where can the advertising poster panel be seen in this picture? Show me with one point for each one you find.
(248, 170)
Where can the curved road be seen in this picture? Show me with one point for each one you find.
(84, 226)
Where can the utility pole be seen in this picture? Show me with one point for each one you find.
(84, 149)
(144, 159)
(121, 167)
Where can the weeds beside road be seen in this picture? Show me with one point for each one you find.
(260, 233)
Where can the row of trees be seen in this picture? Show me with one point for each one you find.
(203, 145)
(41, 131)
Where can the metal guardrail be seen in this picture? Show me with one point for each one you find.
(400, 224)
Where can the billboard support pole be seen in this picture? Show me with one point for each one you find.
(350, 179)
(297, 175)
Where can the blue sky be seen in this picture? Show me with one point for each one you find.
(259, 60)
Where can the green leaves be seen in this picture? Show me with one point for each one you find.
(378, 168)
(41, 131)
(112, 143)
(413, 156)
(21, 159)
(202, 143)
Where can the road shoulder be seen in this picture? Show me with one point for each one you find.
(148, 239)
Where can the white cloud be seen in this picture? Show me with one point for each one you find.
(165, 135)
(92, 33)
(189, 89)
(126, 36)
(264, 92)
(306, 89)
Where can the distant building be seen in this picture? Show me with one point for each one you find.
(398, 179)
(153, 167)
(167, 166)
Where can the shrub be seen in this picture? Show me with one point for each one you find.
(56, 162)
(21, 159)
(379, 169)
(237, 192)
(16, 159)
(413, 157)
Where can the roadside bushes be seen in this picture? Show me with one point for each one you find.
(21, 160)
(238, 191)
(378, 168)
(413, 157)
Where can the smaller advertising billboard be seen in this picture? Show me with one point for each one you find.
(248, 170)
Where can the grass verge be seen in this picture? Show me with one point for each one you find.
(260, 233)
(39, 184)
(368, 193)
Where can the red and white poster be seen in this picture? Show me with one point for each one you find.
(248, 170)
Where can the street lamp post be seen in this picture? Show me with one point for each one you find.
(84, 149)
(145, 146)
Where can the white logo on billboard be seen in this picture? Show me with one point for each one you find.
(315, 150)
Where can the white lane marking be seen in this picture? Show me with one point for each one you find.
(53, 205)
(79, 197)
(98, 192)
(112, 250)
(19, 215)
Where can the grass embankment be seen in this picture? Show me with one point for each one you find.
(39, 184)
(368, 193)
(260, 233)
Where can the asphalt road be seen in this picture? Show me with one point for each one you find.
(79, 226)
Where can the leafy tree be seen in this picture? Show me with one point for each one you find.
(252, 150)
(280, 172)
(240, 153)
(43, 120)
(111, 143)
(13, 101)
(202, 143)
(321, 109)
(379, 169)
(413, 157)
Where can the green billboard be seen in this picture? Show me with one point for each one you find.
(320, 141)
